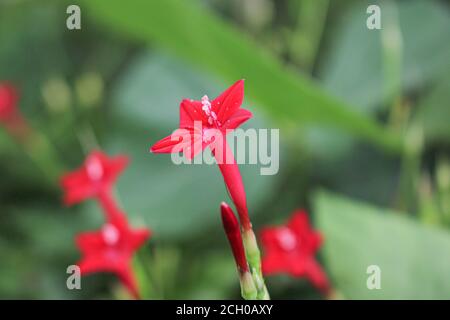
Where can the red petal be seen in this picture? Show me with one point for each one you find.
(78, 194)
(191, 111)
(175, 142)
(118, 164)
(269, 238)
(139, 238)
(165, 145)
(238, 118)
(272, 264)
(317, 276)
(229, 101)
(187, 140)
(90, 242)
(127, 278)
(73, 179)
(299, 222)
(93, 264)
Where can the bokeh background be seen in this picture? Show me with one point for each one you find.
(363, 118)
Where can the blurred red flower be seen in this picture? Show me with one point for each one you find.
(111, 250)
(8, 101)
(291, 248)
(94, 179)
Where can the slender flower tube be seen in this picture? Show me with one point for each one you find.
(110, 207)
(233, 181)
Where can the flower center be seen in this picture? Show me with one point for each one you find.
(287, 239)
(208, 135)
(94, 168)
(110, 234)
(206, 107)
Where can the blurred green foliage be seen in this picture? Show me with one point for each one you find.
(362, 113)
(400, 247)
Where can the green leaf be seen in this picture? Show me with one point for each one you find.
(355, 68)
(413, 259)
(176, 201)
(434, 112)
(192, 32)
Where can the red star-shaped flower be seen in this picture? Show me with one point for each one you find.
(111, 250)
(205, 123)
(8, 102)
(291, 248)
(94, 179)
(201, 120)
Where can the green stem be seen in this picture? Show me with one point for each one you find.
(254, 261)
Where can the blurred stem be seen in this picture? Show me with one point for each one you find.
(145, 283)
(428, 210)
(392, 54)
(305, 40)
(37, 147)
(410, 167)
(165, 264)
(87, 138)
(443, 185)
(392, 50)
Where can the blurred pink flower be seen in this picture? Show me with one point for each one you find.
(8, 101)
(111, 249)
(94, 179)
(291, 248)
(10, 116)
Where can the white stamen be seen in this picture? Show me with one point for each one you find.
(206, 107)
(208, 135)
(110, 234)
(287, 239)
(94, 168)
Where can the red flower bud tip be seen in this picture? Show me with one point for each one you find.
(111, 249)
(232, 230)
(94, 179)
(291, 248)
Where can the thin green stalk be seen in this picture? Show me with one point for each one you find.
(254, 261)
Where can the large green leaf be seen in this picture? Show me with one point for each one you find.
(414, 259)
(356, 66)
(192, 32)
(174, 200)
